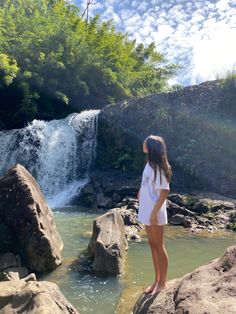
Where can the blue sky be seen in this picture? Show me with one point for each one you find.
(200, 34)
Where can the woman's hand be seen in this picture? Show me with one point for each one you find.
(153, 218)
(163, 195)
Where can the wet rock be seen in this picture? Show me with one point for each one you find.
(25, 212)
(87, 196)
(210, 288)
(108, 244)
(32, 297)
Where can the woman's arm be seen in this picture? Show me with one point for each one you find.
(158, 204)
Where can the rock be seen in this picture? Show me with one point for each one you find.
(131, 203)
(8, 260)
(129, 216)
(181, 199)
(112, 181)
(15, 273)
(131, 234)
(103, 201)
(24, 210)
(202, 206)
(189, 222)
(116, 197)
(210, 288)
(8, 239)
(108, 244)
(186, 111)
(173, 209)
(11, 268)
(132, 225)
(33, 297)
(87, 196)
(203, 202)
(177, 219)
(30, 277)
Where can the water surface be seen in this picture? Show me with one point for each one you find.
(93, 294)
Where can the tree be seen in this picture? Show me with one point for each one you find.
(68, 63)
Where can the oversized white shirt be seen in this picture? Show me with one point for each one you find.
(149, 194)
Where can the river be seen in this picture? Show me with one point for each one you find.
(92, 294)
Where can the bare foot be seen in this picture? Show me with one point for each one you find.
(158, 287)
(151, 287)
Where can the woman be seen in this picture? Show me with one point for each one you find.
(152, 206)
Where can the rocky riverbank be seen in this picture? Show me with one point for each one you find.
(210, 288)
(198, 211)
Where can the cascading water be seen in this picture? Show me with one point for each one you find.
(58, 153)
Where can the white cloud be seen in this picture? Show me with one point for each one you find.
(198, 34)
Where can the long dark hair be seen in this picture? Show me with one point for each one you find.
(157, 156)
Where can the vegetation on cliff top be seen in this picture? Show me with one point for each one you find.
(53, 62)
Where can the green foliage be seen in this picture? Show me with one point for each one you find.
(228, 85)
(162, 116)
(118, 149)
(47, 46)
(8, 70)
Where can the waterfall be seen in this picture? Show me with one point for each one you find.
(58, 153)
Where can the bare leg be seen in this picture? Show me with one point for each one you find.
(160, 257)
(155, 261)
(157, 272)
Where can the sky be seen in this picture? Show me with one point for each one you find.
(200, 35)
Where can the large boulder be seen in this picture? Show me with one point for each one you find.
(33, 297)
(108, 244)
(210, 289)
(25, 212)
(184, 118)
(106, 188)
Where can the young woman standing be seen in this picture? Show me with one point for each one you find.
(152, 206)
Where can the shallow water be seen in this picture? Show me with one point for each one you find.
(93, 294)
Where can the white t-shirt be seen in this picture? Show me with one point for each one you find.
(149, 194)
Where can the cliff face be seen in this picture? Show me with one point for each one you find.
(198, 123)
